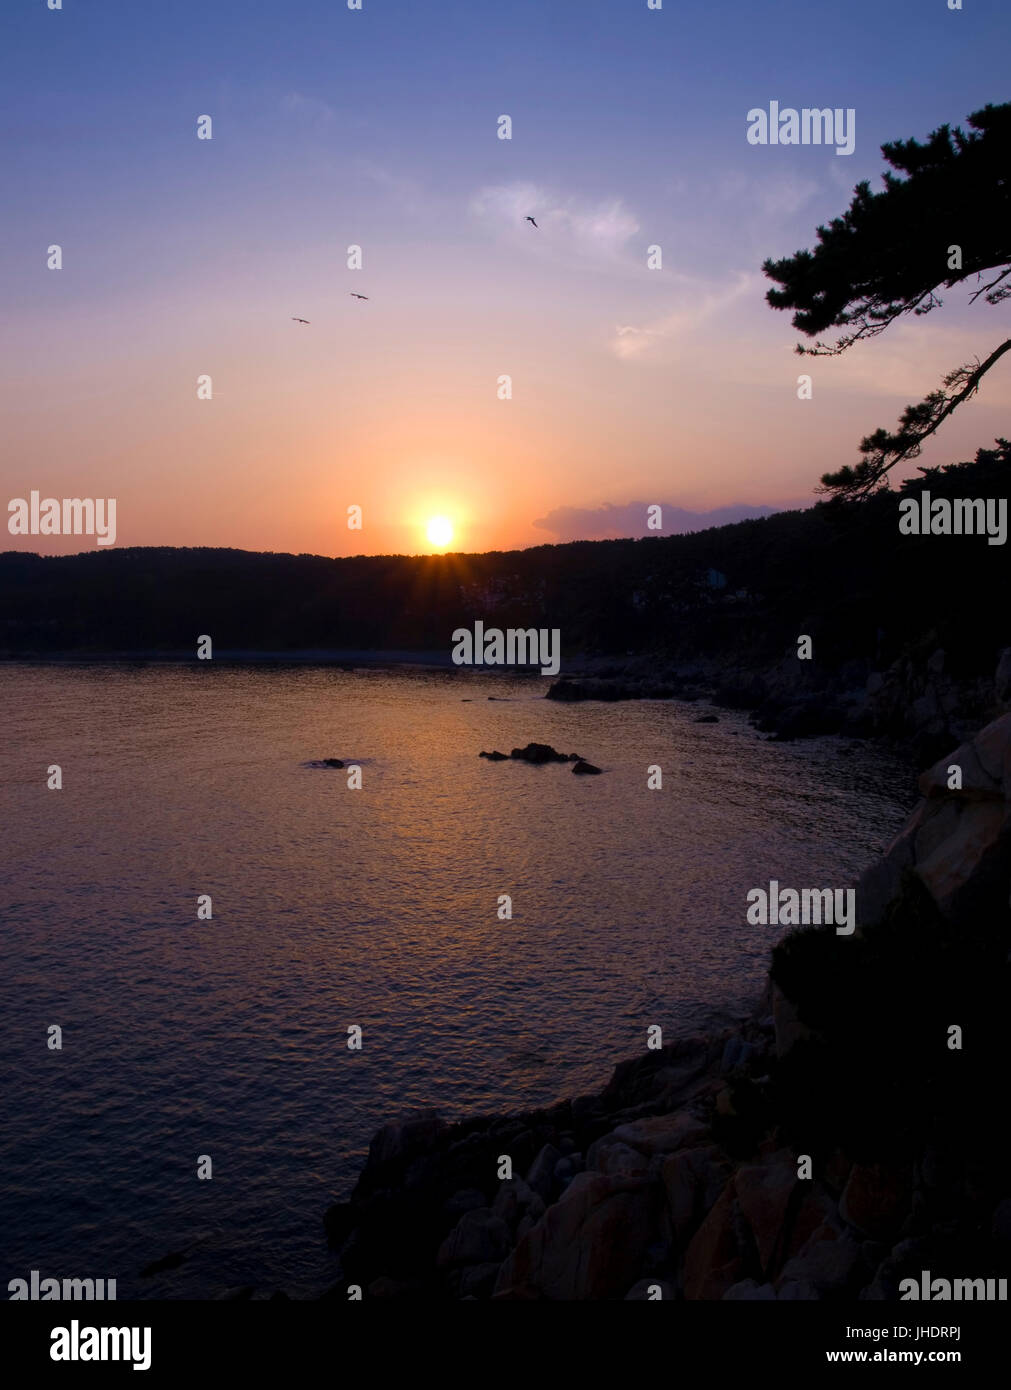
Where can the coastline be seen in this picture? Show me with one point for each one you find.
(805, 1155)
(922, 704)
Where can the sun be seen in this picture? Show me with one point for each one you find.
(439, 531)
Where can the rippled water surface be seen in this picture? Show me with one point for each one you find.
(335, 907)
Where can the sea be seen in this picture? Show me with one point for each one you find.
(501, 933)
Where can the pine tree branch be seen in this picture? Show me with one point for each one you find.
(918, 422)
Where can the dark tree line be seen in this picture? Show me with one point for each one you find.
(840, 571)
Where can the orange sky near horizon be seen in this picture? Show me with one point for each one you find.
(307, 421)
(629, 384)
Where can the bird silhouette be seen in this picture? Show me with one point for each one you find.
(357, 296)
(295, 320)
(530, 219)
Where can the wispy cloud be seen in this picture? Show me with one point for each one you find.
(846, 181)
(774, 197)
(910, 360)
(611, 521)
(308, 108)
(634, 341)
(599, 232)
(407, 194)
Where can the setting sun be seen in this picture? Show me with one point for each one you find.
(439, 532)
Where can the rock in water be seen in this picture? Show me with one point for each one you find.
(539, 753)
(332, 762)
(585, 769)
(495, 756)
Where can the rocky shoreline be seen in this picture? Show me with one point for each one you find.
(836, 1143)
(920, 701)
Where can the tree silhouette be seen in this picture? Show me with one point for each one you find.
(947, 221)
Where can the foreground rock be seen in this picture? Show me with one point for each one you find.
(590, 1244)
(429, 1208)
(956, 842)
(833, 1145)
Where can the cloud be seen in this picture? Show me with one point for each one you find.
(633, 341)
(846, 181)
(598, 232)
(775, 196)
(408, 194)
(611, 522)
(309, 108)
(908, 360)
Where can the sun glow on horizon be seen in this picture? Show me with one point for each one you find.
(439, 531)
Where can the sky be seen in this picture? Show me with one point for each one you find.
(185, 258)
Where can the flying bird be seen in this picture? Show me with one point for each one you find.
(295, 320)
(530, 219)
(357, 296)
